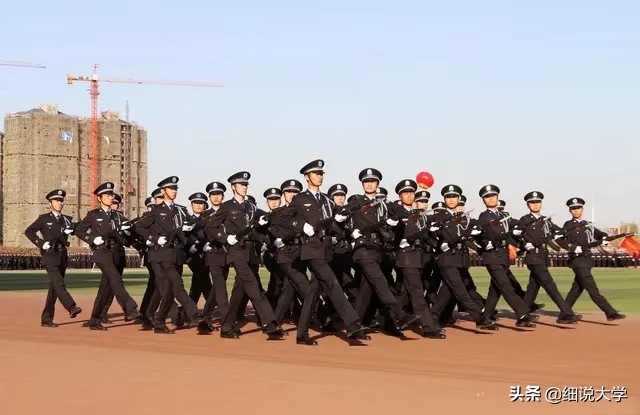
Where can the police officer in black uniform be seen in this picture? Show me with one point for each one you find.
(430, 272)
(496, 228)
(312, 209)
(101, 230)
(367, 254)
(200, 280)
(165, 227)
(287, 242)
(273, 197)
(580, 236)
(409, 256)
(231, 226)
(537, 229)
(54, 228)
(451, 229)
(342, 259)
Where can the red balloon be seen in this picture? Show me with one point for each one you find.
(424, 179)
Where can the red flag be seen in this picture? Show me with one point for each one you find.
(630, 245)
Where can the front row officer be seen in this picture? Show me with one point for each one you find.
(54, 228)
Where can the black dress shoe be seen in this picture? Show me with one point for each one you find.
(179, 320)
(97, 326)
(105, 320)
(272, 329)
(355, 328)
(205, 327)
(407, 321)
(306, 340)
(229, 334)
(360, 335)
(525, 321)
(487, 325)
(433, 334)
(536, 306)
(533, 317)
(48, 324)
(74, 312)
(134, 315)
(147, 325)
(567, 319)
(162, 330)
(616, 316)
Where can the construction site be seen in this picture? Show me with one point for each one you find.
(43, 149)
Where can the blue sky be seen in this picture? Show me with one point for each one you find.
(526, 95)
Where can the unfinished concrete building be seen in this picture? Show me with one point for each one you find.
(44, 149)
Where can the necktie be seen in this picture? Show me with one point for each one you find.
(318, 197)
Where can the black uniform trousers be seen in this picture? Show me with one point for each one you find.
(472, 291)
(121, 263)
(296, 283)
(111, 284)
(431, 278)
(218, 296)
(584, 281)
(412, 282)
(375, 281)
(171, 286)
(151, 288)
(200, 280)
(158, 287)
(454, 291)
(341, 264)
(322, 277)
(502, 284)
(57, 291)
(276, 279)
(542, 277)
(247, 283)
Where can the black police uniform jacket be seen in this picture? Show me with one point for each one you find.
(496, 232)
(453, 233)
(280, 226)
(307, 209)
(51, 230)
(581, 236)
(106, 224)
(408, 226)
(217, 256)
(162, 220)
(369, 222)
(232, 218)
(538, 232)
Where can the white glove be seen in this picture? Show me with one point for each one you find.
(264, 248)
(206, 247)
(340, 218)
(578, 250)
(68, 231)
(187, 228)
(356, 234)
(529, 246)
(46, 246)
(475, 232)
(232, 240)
(434, 229)
(444, 247)
(278, 243)
(97, 241)
(149, 243)
(517, 232)
(308, 230)
(604, 242)
(557, 236)
(489, 246)
(404, 244)
(262, 220)
(162, 240)
(392, 222)
(123, 227)
(334, 240)
(193, 249)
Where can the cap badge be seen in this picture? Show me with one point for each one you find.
(273, 190)
(108, 185)
(487, 188)
(59, 192)
(450, 188)
(369, 171)
(245, 175)
(535, 194)
(174, 179)
(320, 163)
(575, 200)
(406, 182)
(339, 186)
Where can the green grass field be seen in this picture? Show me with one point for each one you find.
(621, 286)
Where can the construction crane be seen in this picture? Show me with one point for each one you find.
(21, 64)
(93, 93)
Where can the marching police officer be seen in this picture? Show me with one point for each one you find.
(312, 209)
(581, 235)
(164, 227)
(101, 230)
(200, 280)
(231, 226)
(342, 259)
(273, 196)
(496, 227)
(54, 228)
(536, 231)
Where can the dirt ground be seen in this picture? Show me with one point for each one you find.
(72, 370)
